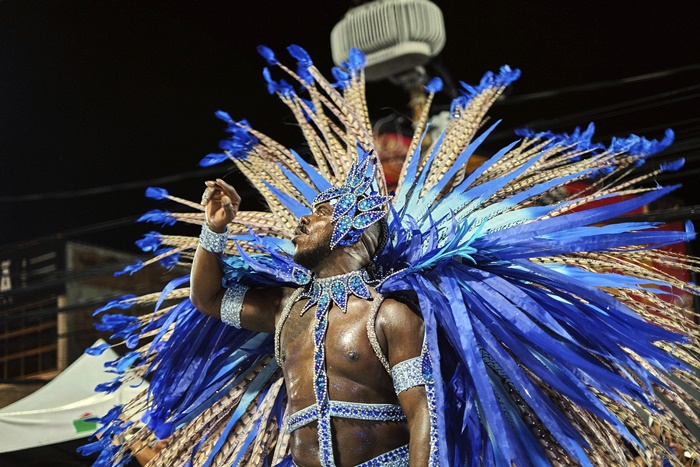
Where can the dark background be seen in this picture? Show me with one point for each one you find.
(101, 98)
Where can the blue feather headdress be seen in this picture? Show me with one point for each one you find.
(551, 335)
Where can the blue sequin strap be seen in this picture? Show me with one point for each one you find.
(325, 440)
(395, 458)
(296, 295)
(231, 305)
(408, 374)
(342, 409)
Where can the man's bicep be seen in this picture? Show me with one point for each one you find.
(414, 403)
(259, 308)
(403, 331)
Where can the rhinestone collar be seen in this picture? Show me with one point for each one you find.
(323, 293)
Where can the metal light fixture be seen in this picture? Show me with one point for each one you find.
(397, 36)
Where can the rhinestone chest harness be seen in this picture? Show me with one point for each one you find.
(322, 294)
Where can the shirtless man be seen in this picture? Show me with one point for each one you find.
(353, 368)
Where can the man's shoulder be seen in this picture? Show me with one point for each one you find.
(397, 311)
(400, 324)
(400, 303)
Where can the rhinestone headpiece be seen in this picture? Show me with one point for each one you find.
(357, 204)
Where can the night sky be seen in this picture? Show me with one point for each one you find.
(100, 99)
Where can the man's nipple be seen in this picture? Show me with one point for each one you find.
(352, 355)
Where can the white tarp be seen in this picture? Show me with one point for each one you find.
(57, 411)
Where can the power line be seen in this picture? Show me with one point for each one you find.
(52, 311)
(595, 86)
(83, 230)
(109, 189)
(509, 101)
(607, 111)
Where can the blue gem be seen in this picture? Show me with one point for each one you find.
(345, 204)
(357, 173)
(330, 193)
(342, 227)
(371, 202)
(323, 301)
(366, 219)
(363, 187)
(340, 296)
(358, 288)
(301, 276)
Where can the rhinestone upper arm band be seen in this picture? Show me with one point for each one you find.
(212, 241)
(231, 305)
(408, 374)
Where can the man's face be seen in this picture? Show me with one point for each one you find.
(312, 237)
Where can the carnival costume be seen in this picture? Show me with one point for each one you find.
(547, 338)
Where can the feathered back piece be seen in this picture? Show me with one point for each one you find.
(550, 320)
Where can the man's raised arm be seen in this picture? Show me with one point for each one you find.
(252, 309)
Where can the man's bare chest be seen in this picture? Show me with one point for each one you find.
(347, 347)
(346, 333)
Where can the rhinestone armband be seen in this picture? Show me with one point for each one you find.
(408, 374)
(231, 305)
(212, 241)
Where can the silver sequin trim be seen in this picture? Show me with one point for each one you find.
(372, 333)
(212, 241)
(231, 305)
(408, 374)
(343, 409)
(395, 458)
(283, 317)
